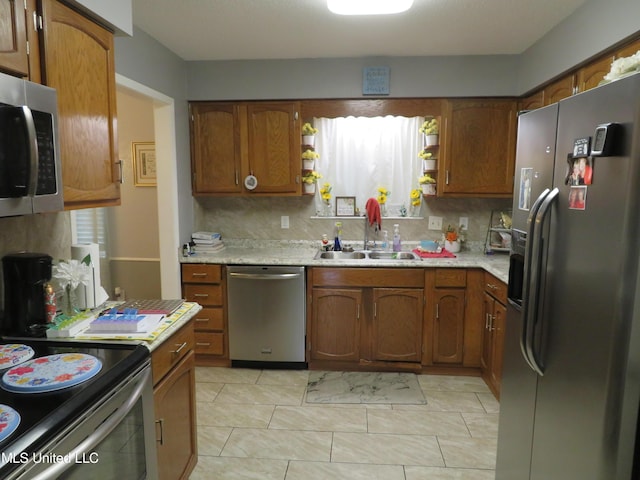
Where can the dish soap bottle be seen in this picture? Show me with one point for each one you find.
(337, 241)
(397, 242)
(386, 246)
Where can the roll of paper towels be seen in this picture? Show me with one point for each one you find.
(91, 295)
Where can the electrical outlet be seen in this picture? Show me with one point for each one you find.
(463, 223)
(284, 221)
(435, 223)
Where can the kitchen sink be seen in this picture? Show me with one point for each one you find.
(393, 256)
(341, 255)
(369, 255)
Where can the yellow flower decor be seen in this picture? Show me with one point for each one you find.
(308, 129)
(383, 193)
(310, 155)
(416, 196)
(325, 193)
(425, 155)
(311, 177)
(430, 127)
(425, 179)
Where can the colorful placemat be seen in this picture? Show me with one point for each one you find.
(13, 354)
(51, 373)
(9, 421)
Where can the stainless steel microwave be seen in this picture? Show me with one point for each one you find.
(30, 166)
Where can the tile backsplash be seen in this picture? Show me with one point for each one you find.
(42, 233)
(259, 218)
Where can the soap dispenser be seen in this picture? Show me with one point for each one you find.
(397, 242)
(386, 246)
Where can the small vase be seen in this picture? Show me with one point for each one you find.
(453, 247)
(428, 188)
(307, 164)
(383, 209)
(429, 164)
(431, 140)
(69, 302)
(309, 188)
(308, 140)
(328, 209)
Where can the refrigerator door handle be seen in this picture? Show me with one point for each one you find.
(536, 272)
(526, 281)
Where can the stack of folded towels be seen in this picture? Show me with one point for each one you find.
(207, 242)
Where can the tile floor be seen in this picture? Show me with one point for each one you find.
(255, 424)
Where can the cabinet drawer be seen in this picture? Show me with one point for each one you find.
(496, 288)
(451, 277)
(167, 355)
(201, 273)
(209, 319)
(210, 295)
(210, 343)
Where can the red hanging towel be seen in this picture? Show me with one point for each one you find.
(373, 213)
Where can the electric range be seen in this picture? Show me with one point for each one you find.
(44, 416)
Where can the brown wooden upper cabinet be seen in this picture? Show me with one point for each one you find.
(231, 141)
(79, 63)
(14, 57)
(480, 139)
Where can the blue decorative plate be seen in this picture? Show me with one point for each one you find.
(9, 421)
(50, 373)
(13, 354)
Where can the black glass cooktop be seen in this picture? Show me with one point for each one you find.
(43, 415)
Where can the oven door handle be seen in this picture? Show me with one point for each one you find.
(100, 433)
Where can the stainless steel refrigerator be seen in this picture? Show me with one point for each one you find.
(570, 395)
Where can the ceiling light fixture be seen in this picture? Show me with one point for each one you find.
(368, 7)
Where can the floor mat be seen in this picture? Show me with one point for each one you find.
(364, 387)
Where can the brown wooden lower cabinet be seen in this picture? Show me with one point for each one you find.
(495, 312)
(359, 318)
(205, 284)
(173, 366)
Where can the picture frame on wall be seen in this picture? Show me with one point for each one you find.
(143, 155)
(345, 206)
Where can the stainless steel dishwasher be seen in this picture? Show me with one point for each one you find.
(266, 312)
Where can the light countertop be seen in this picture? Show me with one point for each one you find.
(302, 254)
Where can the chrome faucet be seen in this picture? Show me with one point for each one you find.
(365, 245)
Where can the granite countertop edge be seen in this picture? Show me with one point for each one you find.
(302, 254)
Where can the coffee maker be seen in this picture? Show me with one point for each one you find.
(25, 275)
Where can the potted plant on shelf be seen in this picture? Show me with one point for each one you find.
(308, 159)
(308, 134)
(428, 184)
(430, 128)
(309, 180)
(451, 240)
(428, 162)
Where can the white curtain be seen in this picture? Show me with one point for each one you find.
(360, 154)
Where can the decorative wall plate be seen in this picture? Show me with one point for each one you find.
(13, 354)
(50, 373)
(9, 421)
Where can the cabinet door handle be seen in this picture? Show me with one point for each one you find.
(179, 349)
(202, 319)
(160, 422)
(446, 177)
(491, 286)
(199, 274)
(437, 311)
(121, 177)
(237, 181)
(203, 295)
(375, 309)
(358, 311)
(202, 344)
